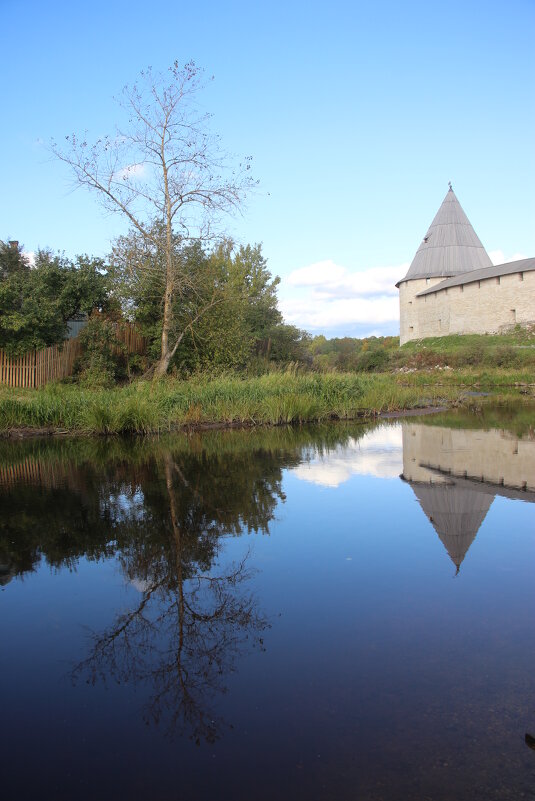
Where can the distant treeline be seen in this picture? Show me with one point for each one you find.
(371, 354)
(514, 349)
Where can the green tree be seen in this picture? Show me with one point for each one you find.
(36, 302)
(234, 328)
(167, 167)
(288, 344)
(12, 260)
(219, 317)
(138, 273)
(260, 289)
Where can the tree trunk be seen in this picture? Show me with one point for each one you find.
(161, 368)
(165, 353)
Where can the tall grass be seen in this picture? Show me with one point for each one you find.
(275, 398)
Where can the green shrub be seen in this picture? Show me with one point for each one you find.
(103, 359)
(372, 361)
(426, 358)
(96, 377)
(505, 356)
(469, 356)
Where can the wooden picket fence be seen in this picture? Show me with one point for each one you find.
(38, 367)
(129, 335)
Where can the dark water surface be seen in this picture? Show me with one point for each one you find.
(335, 612)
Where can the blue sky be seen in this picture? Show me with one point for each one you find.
(356, 114)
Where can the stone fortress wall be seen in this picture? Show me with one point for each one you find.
(452, 287)
(490, 306)
(409, 309)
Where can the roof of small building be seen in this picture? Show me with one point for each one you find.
(450, 246)
(495, 271)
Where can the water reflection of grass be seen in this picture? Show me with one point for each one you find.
(484, 414)
(272, 399)
(71, 452)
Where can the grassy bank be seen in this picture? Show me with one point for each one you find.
(270, 399)
(513, 350)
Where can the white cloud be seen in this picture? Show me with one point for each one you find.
(29, 255)
(327, 295)
(330, 280)
(141, 585)
(498, 257)
(317, 274)
(379, 453)
(315, 312)
(129, 172)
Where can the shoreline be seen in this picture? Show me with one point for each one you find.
(25, 433)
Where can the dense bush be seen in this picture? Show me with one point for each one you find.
(372, 361)
(505, 356)
(104, 359)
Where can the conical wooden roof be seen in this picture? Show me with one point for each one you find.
(456, 514)
(450, 246)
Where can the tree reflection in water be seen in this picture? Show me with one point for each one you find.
(191, 624)
(163, 509)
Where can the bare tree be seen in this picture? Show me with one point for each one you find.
(167, 174)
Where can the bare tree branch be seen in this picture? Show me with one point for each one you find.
(166, 168)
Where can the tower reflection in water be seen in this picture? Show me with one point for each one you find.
(456, 474)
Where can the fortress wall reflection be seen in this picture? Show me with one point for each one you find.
(456, 474)
(493, 457)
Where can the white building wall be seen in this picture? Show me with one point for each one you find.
(409, 323)
(484, 307)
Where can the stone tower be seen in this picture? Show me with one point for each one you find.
(450, 247)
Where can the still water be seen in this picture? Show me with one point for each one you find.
(337, 612)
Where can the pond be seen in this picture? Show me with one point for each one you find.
(331, 612)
